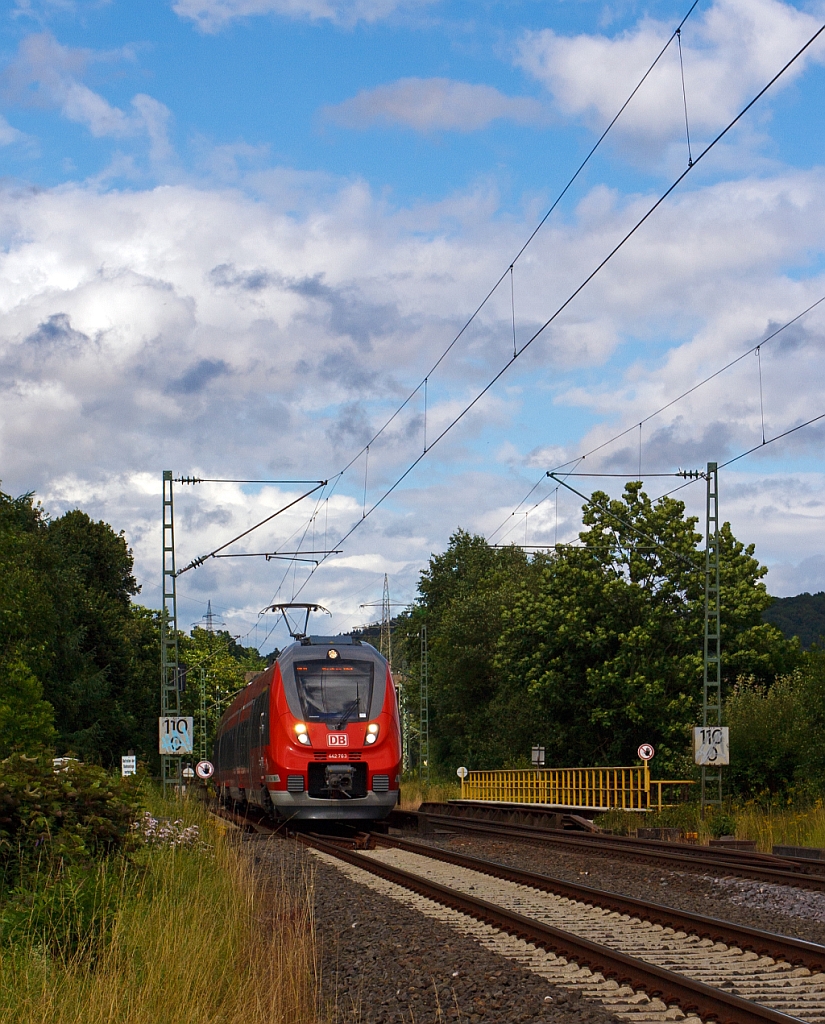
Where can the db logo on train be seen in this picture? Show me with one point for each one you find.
(337, 739)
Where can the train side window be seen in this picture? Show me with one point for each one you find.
(260, 719)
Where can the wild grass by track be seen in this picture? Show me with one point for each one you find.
(192, 937)
(785, 826)
(415, 792)
(768, 825)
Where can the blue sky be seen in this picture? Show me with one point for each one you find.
(237, 233)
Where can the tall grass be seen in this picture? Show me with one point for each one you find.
(415, 792)
(768, 826)
(781, 826)
(195, 938)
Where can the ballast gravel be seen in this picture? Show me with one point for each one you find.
(382, 963)
(775, 908)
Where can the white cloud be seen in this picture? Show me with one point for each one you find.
(213, 15)
(208, 331)
(8, 134)
(44, 73)
(434, 104)
(730, 51)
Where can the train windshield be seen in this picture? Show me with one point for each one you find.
(334, 691)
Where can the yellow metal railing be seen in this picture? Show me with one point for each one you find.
(589, 788)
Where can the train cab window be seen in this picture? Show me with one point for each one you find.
(334, 692)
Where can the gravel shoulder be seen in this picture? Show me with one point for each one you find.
(382, 963)
(789, 911)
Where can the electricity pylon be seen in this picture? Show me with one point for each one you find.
(712, 677)
(386, 623)
(385, 641)
(169, 659)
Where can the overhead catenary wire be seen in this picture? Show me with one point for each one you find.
(750, 451)
(559, 482)
(761, 401)
(516, 352)
(568, 185)
(535, 487)
(663, 408)
(616, 248)
(621, 243)
(623, 476)
(736, 458)
(227, 480)
(626, 522)
(785, 433)
(519, 351)
(757, 447)
(300, 544)
(513, 308)
(201, 559)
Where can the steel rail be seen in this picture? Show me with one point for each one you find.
(695, 862)
(778, 947)
(692, 996)
(769, 860)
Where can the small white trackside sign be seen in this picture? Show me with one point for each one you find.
(337, 739)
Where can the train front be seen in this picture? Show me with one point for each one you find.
(337, 735)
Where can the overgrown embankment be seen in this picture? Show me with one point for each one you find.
(105, 923)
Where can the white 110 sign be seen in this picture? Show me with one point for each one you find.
(711, 745)
(176, 734)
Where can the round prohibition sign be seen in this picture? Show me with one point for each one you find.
(204, 769)
(645, 751)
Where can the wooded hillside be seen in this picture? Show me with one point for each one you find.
(802, 616)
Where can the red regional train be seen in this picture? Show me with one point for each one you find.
(316, 736)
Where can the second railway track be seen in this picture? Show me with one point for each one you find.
(640, 960)
(739, 863)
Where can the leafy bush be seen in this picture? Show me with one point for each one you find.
(70, 816)
(777, 734)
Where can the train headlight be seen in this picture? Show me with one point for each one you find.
(372, 733)
(301, 733)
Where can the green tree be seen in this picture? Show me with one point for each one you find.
(70, 639)
(28, 620)
(140, 698)
(588, 651)
(224, 664)
(26, 719)
(609, 652)
(464, 592)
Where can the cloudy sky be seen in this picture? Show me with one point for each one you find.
(237, 235)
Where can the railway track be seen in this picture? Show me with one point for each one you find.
(677, 856)
(641, 960)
